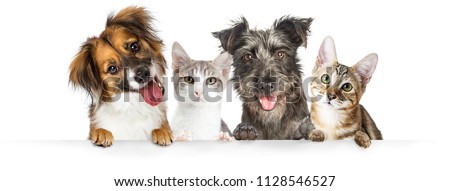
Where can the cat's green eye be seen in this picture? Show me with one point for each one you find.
(211, 81)
(189, 80)
(347, 87)
(325, 79)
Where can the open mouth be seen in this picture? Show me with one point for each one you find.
(268, 103)
(152, 92)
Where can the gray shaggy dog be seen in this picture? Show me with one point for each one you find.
(268, 78)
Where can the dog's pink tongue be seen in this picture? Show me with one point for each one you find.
(152, 93)
(268, 102)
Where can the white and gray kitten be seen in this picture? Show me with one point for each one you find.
(199, 87)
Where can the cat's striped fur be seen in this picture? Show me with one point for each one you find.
(337, 90)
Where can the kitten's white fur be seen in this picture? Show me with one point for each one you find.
(189, 121)
(198, 120)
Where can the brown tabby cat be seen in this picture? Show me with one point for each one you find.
(336, 90)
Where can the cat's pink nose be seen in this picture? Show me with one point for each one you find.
(198, 93)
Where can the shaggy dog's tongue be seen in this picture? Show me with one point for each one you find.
(152, 93)
(268, 102)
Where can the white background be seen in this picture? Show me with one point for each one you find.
(407, 95)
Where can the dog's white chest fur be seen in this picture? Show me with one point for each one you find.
(129, 118)
(202, 121)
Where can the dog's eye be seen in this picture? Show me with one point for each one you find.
(211, 81)
(280, 54)
(248, 57)
(189, 80)
(135, 47)
(112, 69)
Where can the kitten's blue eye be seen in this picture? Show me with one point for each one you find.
(325, 79)
(347, 87)
(189, 80)
(211, 81)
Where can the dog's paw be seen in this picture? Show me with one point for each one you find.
(224, 136)
(305, 126)
(245, 131)
(362, 139)
(162, 136)
(183, 137)
(101, 137)
(317, 135)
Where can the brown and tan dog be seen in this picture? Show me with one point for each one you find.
(122, 70)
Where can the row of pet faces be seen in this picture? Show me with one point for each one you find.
(126, 59)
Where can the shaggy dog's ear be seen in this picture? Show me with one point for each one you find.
(296, 29)
(229, 37)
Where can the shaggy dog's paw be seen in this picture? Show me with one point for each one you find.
(302, 132)
(245, 131)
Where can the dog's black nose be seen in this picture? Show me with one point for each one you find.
(267, 86)
(142, 75)
(331, 96)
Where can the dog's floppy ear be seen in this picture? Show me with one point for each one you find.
(297, 29)
(136, 19)
(228, 37)
(132, 15)
(83, 71)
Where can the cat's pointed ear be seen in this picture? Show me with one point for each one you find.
(229, 38)
(179, 56)
(223, 62)
(366, 67)
(327, 53)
